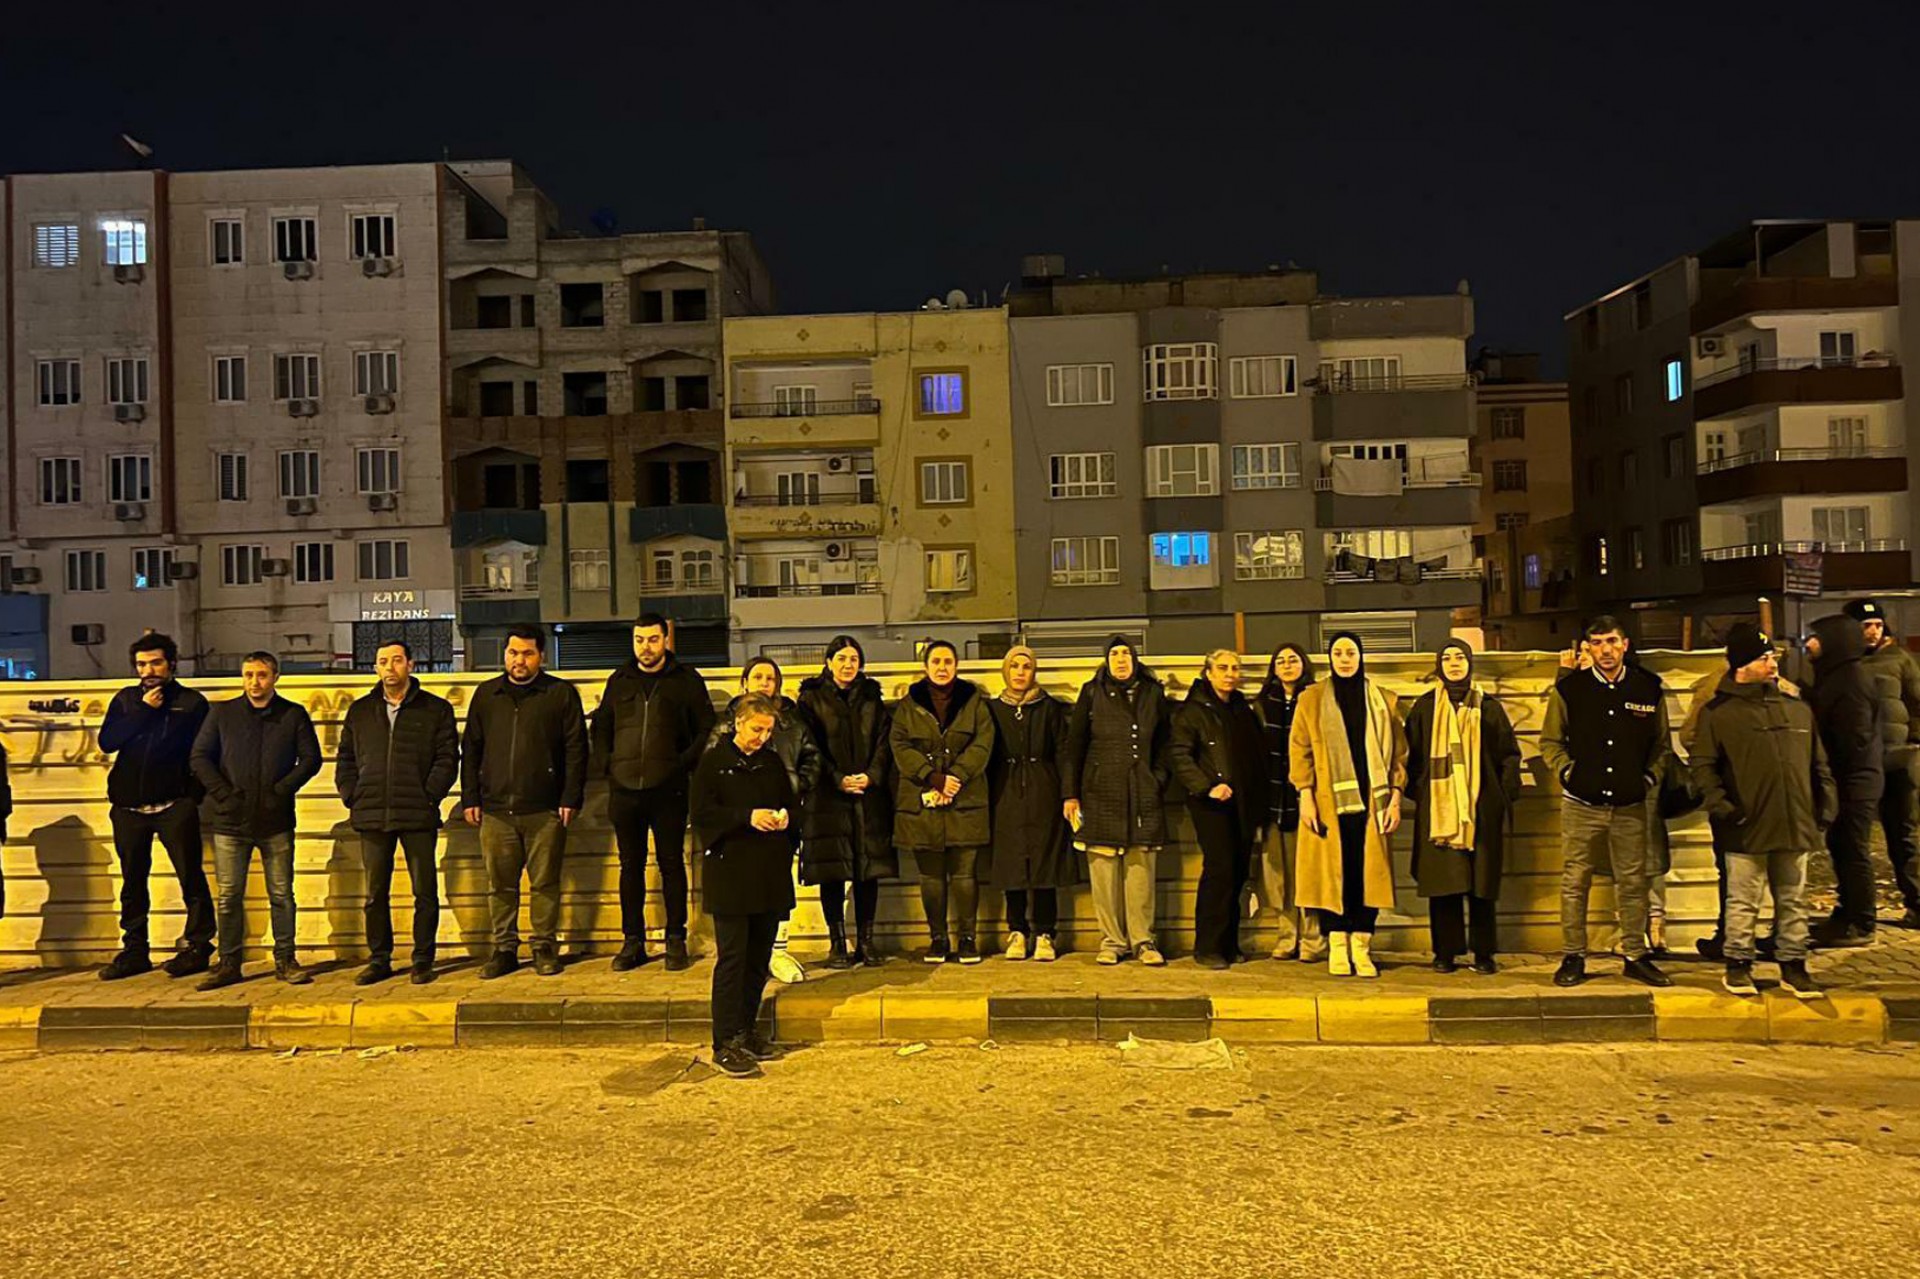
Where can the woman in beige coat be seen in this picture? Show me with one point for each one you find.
(1348, 757)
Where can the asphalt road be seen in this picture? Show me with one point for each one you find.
(1576, 1161)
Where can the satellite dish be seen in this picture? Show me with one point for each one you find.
(956, 299)
(933, 304)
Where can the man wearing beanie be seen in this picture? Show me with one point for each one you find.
(1895, 677)
(1848, 717)
(1762, 773)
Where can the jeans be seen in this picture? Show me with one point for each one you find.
(1898, 817)
(833, 902)
(1462, 921)
(743, 945)
(1123, 899)
(949, 873)
(178, 827)
(535, 843)
(1848, 843)
(1593, 837)
(1226, 856)
(1750, 875)
(376, 854)
(1275, 872)
(1046, 911)
(661, 812)
(231, 854)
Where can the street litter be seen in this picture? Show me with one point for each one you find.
(911, 1049)
(384, 1050)
(1165, 1054)
(988, 1046)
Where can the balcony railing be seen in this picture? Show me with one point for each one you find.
(1335, 383)
(812, 499)
(1763, 550)
(814, 408)
(708, 586)
(1794, 363)
(805, 590)
(1734, 461)
(1323, 483)
(1348, 567)
(484, 591)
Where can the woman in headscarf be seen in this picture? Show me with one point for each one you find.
(1276, 871)
(849, 816)
(1032, 859)
(942, 739)
(1219, 753)
(1349, 763)
(1463, 771)
(1113, 779)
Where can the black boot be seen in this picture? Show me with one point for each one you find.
(866, 953)
(837, 956)
(128, 963)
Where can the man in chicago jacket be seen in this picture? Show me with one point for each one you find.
(523, 773)
(1896, 682)
(253, 755)
(149, 729)
(649, 732)
(1605, 737)
(399, 756)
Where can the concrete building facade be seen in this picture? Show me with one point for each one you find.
(1523, 453)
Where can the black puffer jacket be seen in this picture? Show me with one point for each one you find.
(396, 778)
(651, 728)
(1847, 712)
(252, 763)
(1215, 742)
(1896, 682)
(849, 837)
(1116, 738)
(153, 748)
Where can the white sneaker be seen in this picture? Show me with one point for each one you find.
(1016, 946)
(1107, 957)
(1043, 949)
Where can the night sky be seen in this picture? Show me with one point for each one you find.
(1545, 152)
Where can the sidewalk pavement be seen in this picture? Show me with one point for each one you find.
(1875, 998)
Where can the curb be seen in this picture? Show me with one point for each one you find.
(802, 1016)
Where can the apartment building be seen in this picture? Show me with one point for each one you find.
(1523, 453)
(1216, 459)
(870, 483)
(1744, 429)
(585, 425)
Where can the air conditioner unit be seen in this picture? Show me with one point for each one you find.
(128, 511)
(301, 270)
(837, 550)
(301, 506)
(28, 576)
(376, 266)
(379, 404)
(129, 412)
(383, 501)
(89, 633)
(302, 408)
(129, 273)
(275, 568)
(1712, 347)
(182, 571)
(838, 463)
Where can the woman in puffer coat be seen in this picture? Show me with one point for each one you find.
(942, 742)
(849, 817)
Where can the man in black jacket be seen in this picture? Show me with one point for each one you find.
(253, 755)
(1848, 715)
(150, 727)
(649, 732)
(523, 773)
(1896, 682)
(399, 757)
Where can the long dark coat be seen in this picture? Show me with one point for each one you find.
(1031, 844)
(922, 750)
(744, 871)
(1114, 765)
(849, 837)
(1441, 872)
(792, 741)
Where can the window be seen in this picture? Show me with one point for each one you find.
(1597, 555)
(376, 372)
(1361, 373)
(150, 565)
(1530, 572)
(1180, 371)
(1268, 554)
(125, 241)
(59, 382)
(1643, 304)
(689, 305)
(1509, 423)
(1713, 446)
(229, 246)
(583, 394)
(300, 473)
(588, 570)
(663, 568)
(377, 470)
(373, 236)
(942, 395)
(1266, 466)
(1623, 394)
(313, 561)
(1509, 477)
(130, 477)
(949, 571)
(1071, 384)
(1506, 520)
(294, 240)
(240, 565)
(697, 569)
(496, 399)
(59, 481)
(1081, 475)
(1676, 379)
(583, 306)
(1836, 348)
(1763, 527)
(1676, 542)
(1636, 549)
(944, 484)
(385, 559)
(56, 244)
(1629, 470)
(1260, 377)
(1676, 455)
(797, 488)
(1847, 434)
(86, 571)
(1833, 524)
(1496, 577)
(588, 480)
(1182, 470)
(296, 377)
(1181, 561)
(1373, 543)
(1086, 561)
(231, 476)
(229, 379)
(795, 401)
(127, 380)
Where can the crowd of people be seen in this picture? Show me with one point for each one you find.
(1294, 791)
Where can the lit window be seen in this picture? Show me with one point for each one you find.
(1072, 384)
(1530, 572)
(125, 240)
(1268, 554)
(56, 244)
(943, 394)
(150, 568)
(588, 570)
(1361, 373)
(383, 560)
(1183, 550)
(949, 572)
(1676, 380)
(1086, 561)
(1258, 377)
(697, 569)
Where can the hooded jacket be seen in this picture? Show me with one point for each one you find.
(1846, 711)
(651, 727)
(1761, 771)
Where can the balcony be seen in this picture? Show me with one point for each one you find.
(1846, 566)
(821, 604)
(692, 519)
(861, 405)
(1448, 496)
(825, 424)
(685, 601)
(477, 528)
(1797, 380)
(1436, 406)
(758, 517)
(1357, 583)
(1793, 472)
(482, 605)
(1794, 293)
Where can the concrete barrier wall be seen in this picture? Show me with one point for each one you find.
(63, 879)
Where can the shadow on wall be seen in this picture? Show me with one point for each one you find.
(464, 873)
(78, 921)
(346, 895)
